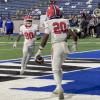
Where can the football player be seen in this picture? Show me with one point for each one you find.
(9, 27)
(28, 30)
(58, 28)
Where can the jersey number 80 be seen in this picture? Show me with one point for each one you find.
(29, 35)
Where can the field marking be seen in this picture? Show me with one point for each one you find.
(17, 59)
(79, 42)
(13, 42)
(9, 49)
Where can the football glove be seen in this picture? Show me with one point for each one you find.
(74, 46)
(15, 45)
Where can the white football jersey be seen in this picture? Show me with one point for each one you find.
(57, 28)
(29, 33)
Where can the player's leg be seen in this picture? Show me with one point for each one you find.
(59, 51)
(56, 65)
(10, 33)
(57, 60)
(23, 62)
(29, 54)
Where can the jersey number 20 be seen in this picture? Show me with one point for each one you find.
(60, 27)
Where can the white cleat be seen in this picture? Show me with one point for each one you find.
(58, 91)
(21, 72)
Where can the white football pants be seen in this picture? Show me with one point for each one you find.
(27, 53)
(58, 55)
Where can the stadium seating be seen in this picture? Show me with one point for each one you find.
(15, 5)
(75, 6)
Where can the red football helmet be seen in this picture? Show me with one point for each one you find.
(28, 20)
(53, 12)
(27, 17)
(52, 1)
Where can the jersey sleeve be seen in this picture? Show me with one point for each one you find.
(46, 26)
(36, 27)
(67, 23)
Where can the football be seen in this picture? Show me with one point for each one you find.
(39, 60)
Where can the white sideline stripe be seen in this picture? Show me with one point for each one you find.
(80, 42)
(10, 64)
(50, 42)
(18, 42)
(92, 65)
(5, 75)
(18, 59)
(21, 76)
(2, 69)
(9, 49)
(10, 75)
(19, 65)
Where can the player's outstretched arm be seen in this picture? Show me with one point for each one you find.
(44, 40)
(17, 40)
(42, 44)
(74, 36)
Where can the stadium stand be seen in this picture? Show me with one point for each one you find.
(19, 7)
(12, 7)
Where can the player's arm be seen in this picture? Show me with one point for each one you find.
(42, 44)
(38, 37)
(74, 36)
(43, 41)
(18, 38)
(16, 41)
(5, 27)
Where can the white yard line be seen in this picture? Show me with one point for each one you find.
(80, 42)
(2, 69)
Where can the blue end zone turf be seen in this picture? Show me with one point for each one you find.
(82, 82)
(85, 55)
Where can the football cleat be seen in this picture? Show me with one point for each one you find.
(58, 91)
(21, 72)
